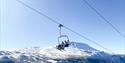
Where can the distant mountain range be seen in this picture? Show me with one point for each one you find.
(76, 53)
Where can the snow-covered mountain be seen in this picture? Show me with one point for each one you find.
(76, 53)
(82, 46)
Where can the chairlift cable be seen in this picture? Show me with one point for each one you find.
(101, 16)
(54, 21)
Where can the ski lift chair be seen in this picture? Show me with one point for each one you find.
(62, 44)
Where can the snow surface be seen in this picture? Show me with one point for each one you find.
(63, 54)
(82, 46)
(76, 53)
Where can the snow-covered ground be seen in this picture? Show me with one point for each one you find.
(76, 53)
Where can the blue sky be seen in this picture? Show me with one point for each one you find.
(22, 27)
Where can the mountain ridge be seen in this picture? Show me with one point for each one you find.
(76, 53)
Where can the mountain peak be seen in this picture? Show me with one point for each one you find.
(83, 46)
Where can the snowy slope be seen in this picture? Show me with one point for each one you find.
(76, 53)
(82, 46)
(63, 54)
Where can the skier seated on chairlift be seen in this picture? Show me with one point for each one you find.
(67, 43)
(61, 46)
